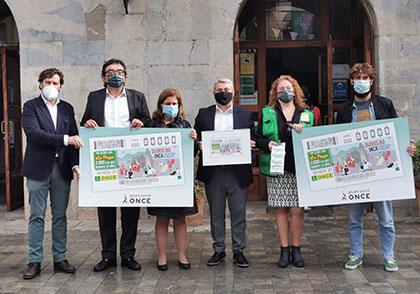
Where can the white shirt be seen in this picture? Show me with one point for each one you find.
(53, 112)
(116, 111)
(223, 121)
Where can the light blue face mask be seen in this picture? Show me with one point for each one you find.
(361, 86)
(170, 111)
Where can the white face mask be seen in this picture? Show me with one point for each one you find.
(50, 92)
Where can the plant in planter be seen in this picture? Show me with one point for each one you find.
(199, 193)
(416, 170)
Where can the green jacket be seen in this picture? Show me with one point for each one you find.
(270, 130)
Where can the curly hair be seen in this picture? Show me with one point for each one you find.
(299, 99)
(364, 68)
(49, 73)
(162, 97)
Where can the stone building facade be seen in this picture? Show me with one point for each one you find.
(185, 44)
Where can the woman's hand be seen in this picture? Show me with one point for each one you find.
(193, 135)
(91, 124)
(271, 144)
(298, 127)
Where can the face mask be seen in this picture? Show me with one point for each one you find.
(361, 87)
(115, 80)
(170, 111)
(50, 92)
(223, 98)
(286, 96)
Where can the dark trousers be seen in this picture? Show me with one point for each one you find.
(224, 186)
(107, 226)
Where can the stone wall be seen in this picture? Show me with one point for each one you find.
(185, 44)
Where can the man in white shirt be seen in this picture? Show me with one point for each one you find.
(51, 156)
(116, 107)
(227, 182)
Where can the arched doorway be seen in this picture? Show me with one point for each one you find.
(315, 41)
(11, 183)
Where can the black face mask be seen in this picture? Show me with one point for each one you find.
(223, 98)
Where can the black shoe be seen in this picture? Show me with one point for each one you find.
(217, 258)
(284, 257)
(131, 263)
(163, 267)
(104, 264)
(296, 257)
(184, 265)
(64, 266)
(32, 270)
(240, 260)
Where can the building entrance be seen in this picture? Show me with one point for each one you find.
(315, 41)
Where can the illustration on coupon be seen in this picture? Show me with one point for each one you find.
(226, 147)
(351, 157)
(136, 161)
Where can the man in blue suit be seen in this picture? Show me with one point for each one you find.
(51, 157)
(116, 106)
(225, 182)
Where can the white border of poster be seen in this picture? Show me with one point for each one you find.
(226, 147)
(354, 163)
(146, 167)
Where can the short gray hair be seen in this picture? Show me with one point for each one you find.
(224, 81)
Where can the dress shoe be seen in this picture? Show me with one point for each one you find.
(32, 269)
(184, 265)
(284, 257)
(217, 258)
(297, 257)
(64, 266)
(162, 267)
(240, 260)
(104, 264)
(131, 263)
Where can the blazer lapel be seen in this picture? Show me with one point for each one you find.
(101, 108)
(212, 116)
(130, 103)
(236, 118)
(60, 119)
(45, 114)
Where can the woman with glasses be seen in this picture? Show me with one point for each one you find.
(287, 111)
(170, 114)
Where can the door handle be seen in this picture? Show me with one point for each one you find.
(2, 127)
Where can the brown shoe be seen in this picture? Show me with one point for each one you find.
(64, 266)
(32, 269)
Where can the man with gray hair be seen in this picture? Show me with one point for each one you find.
(225, 182)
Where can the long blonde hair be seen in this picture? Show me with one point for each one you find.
(299, 99)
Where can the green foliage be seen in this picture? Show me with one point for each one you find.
(416, 161)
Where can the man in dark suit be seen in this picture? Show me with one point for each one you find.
(116, 106)
(51, 155)
(229, 182)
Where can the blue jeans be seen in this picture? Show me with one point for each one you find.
(59, 189)
(383, 210)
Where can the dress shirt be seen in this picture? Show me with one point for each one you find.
(116, 110)
(53, 112)
(223, 121)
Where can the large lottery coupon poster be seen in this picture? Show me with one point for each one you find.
(357, 162)
(145, 167)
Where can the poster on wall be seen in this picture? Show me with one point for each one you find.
(355, 162)
(146, 167)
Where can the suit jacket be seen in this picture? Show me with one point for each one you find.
(242, 119)
(44, 141)
(95, 107)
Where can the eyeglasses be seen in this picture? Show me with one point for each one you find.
(111, 72)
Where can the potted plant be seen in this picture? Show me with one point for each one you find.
(199, 193)
(416, 170)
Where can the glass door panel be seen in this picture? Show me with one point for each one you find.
(292, 20)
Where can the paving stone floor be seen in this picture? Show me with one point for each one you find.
(325, 247)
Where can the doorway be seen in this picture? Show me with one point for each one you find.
(315, 41)
(11, 182)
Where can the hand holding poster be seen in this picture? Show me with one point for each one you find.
(146, 167)
(357, 162)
